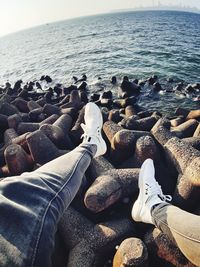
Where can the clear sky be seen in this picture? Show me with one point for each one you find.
(20, 14)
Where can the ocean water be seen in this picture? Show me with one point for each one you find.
(137, 44)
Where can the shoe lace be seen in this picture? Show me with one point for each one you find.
(88, 134)
(155, 189)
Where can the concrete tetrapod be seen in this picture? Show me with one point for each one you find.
(17, 160)
(193, 141)
(161, 131)
(77, 131)
(122, 141)
(145, 148)
(177, 121)
(21, 104)
(132, 252)
(163, 252)
(58, 133)
(11, 137)
(3, 122)
(114, 115)
(33, 105)
(186, 160)
(144, 124)
(197, 131)
(8, 109)
(24, 127)
(98, 166)
(41, 148)
(110, 187)
(88, 241)
(14, 120)
(193, 114)
(185, 129)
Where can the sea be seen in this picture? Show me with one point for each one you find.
(134, 44)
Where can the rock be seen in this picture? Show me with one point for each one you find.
(182, 111)
(163, 252)
(33, 105)
(98, 166)
(23, 94)
(57, 90)
(187, 190)
(106, 95)
(122, 146)
(186, 160)
(58, 133)
(105, 103)
(130, 88)
(21, 104)
(95, 97)
(189, 89)
(17, 160)
(49, 110)
(197, 131)
(88, 242)
(193, 141)
(132, 252)
(144, 124)
(185, 129)
(157, 87)
(161, 131)
(14, 120)
(77, 131)
(110, 187)
(74, 101)
(193, 114)
(17, 85)
(130, 111)
(84, 98)
(114, 115)
(122, 103)
(177, 121)
(82, 86)
(110, 129)
(37, 115)
(41, 148)
(3, 122)
(24, 127)
(41, 101)
(48, 79)
(145, 148)
(180, 154)
(8, 109)
(152, 79)
(9, 135)
(114, 80)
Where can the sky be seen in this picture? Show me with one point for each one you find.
(16, 15)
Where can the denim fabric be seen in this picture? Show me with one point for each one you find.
(182, 227)
(31, 205)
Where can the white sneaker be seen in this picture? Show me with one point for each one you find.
(150, 194)
(92, 128)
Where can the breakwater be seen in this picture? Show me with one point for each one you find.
(36, 127)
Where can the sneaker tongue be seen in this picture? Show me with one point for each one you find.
(89, 132)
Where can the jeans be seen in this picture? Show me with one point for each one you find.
(31, 205)
(181, 227)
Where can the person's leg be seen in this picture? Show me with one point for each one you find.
(32, 204)
(151, 207)
(181, 227)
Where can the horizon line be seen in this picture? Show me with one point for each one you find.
(125, 10)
